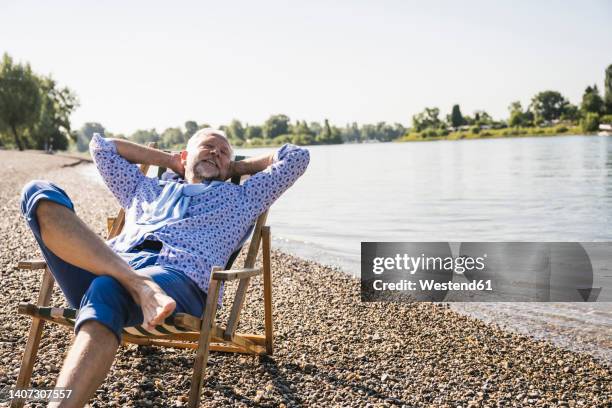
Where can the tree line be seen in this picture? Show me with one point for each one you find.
(35, 113)
(545, 109)
(276, 130)
(34, 110)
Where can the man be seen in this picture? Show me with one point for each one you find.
(175, 232)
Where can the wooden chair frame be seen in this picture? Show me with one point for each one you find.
(204, 334)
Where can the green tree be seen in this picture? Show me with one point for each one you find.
(235, 130)
(548, 106)
(607, 119)
(302, 139)
(482, 118)
(368, 132)
(590, 123)
(592, 101)
(571, 113)
(329, 135)
(276, 125)
(256, 141)
(315, 128)
(253, 132)
(456, 118)
(282, 139)
(301, 128)
(190, 128)
(86, 132)
(516, 114)
(52, 130)
(608, 90)
(20, 97)
(519, 117)
(172, 138)
(145, 136)
(399, 130)
(301, 134)
(351, 133)
(385, 132)
(429, 118)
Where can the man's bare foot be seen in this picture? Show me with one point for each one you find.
(155, 304)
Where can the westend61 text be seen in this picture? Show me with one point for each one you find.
(430, 284)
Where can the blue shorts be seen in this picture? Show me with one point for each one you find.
(103, 298)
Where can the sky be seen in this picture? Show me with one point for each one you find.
(148, 64)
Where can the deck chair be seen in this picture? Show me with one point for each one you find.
(180, 330)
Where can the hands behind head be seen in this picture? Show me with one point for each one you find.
(232, 170)
(176, 164)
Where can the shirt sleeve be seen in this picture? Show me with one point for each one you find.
(265, 187)
(120, 176)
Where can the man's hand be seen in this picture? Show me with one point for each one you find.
(176, 164)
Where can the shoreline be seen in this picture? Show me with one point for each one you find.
(330, 348)
(413, 137)
(497, 134)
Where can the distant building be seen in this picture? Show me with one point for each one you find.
(605, 129)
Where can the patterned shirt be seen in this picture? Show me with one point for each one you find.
(215, 221)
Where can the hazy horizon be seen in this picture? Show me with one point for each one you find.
(143, 65)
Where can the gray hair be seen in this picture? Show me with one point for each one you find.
(207, 132)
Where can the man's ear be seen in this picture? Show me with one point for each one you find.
(184, 156)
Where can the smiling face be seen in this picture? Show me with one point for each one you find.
(208, 157)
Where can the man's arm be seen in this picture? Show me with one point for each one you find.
(135, 153)
(251, 165)
(274, 175)
(120, 174)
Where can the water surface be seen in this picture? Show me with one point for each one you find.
(519, 189)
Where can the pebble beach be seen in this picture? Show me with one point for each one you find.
(330, 348)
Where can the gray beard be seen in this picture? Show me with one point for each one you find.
(199, 173)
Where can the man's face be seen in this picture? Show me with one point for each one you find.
(207, 158)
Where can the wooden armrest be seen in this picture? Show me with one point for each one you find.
(32, 264)
(233, 274)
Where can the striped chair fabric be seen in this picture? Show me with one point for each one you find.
(179, 323)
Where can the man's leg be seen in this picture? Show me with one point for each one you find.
(73, 281)
(96, 342)
(69, 239)
(87, 363)
(105, 310)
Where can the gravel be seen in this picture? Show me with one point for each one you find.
(330, 348)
